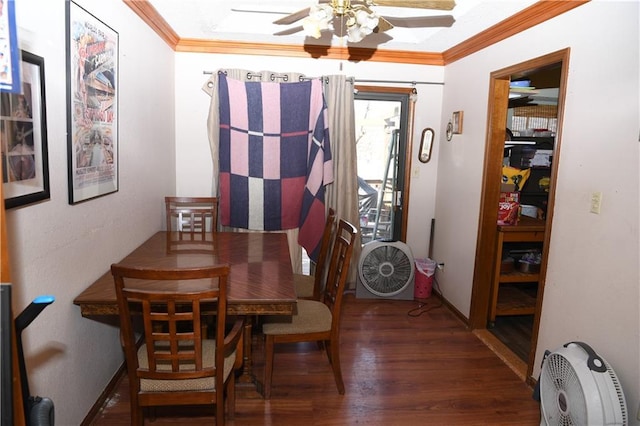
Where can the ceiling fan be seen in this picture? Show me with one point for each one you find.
(358, 19)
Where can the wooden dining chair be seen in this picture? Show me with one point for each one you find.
(191, 216)
(310, 286)
(316, 321)
(175, 363)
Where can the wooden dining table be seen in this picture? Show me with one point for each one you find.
(260, 280)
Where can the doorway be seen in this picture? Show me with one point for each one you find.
(530, 235)
(383, 119)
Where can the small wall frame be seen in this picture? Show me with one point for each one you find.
(23, 135)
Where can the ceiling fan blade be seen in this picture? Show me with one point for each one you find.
(233, 9)
(294, 17)
(421, 21)
(417, 4)
(383, 25)
(289, 31)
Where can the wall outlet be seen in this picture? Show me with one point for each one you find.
(440, 266)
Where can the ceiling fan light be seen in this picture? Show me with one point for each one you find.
(320, 18)
(322, 12)
(366, 21)
(355, 34)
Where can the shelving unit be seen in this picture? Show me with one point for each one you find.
(506, 296)
(520, 156)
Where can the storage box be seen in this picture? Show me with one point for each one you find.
(529, 210)
(542, 158)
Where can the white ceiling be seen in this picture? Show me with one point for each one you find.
(251, 21)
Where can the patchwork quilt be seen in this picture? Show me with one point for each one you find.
(274, 157)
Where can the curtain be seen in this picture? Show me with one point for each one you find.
(211, 88)
(342, 195)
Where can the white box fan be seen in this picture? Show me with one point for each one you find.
(385, 271)
(578, 387)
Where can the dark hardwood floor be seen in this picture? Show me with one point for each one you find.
(515, 332)
(401, 366)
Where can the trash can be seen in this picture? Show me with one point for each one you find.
(425, 268)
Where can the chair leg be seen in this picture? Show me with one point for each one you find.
(268, 365)
(220, 406)
(333, 352)
(231, 396)
(137, 415)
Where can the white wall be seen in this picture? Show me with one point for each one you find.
(193, 162)
(59, 249)
(592, 291)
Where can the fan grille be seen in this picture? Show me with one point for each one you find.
(563, 398)
(619, 393)
(386, 270)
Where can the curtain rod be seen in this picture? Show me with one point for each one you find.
(354, 80)
(413, 83)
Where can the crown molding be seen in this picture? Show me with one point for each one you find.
(537, 13)
(353, 54)
(152, 18)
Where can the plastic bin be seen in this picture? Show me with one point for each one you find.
(425, 268)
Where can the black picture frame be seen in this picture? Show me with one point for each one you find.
(92, 105)
(23, 132)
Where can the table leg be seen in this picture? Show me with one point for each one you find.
(246, 377)
(247, 384)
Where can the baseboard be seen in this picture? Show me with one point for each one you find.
(452, 308)
(108, 390)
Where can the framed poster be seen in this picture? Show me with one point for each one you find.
(92, 105)
(23, 135)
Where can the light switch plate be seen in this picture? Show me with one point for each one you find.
(596, 202)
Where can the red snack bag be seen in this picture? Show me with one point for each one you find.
(508, 208)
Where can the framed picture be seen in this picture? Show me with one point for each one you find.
(23, 135)
(457, 122)
(92, 105)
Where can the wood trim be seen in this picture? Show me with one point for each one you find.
(503, 352)
(435, 292)
(530, 17)
(17, 415)
(487, 229)
(5, 275)
(352, 54)
(493, 158)
(152, 18)
(562, 56)
(539, 12)
(109, 390)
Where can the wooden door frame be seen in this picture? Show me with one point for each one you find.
(487, 229)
